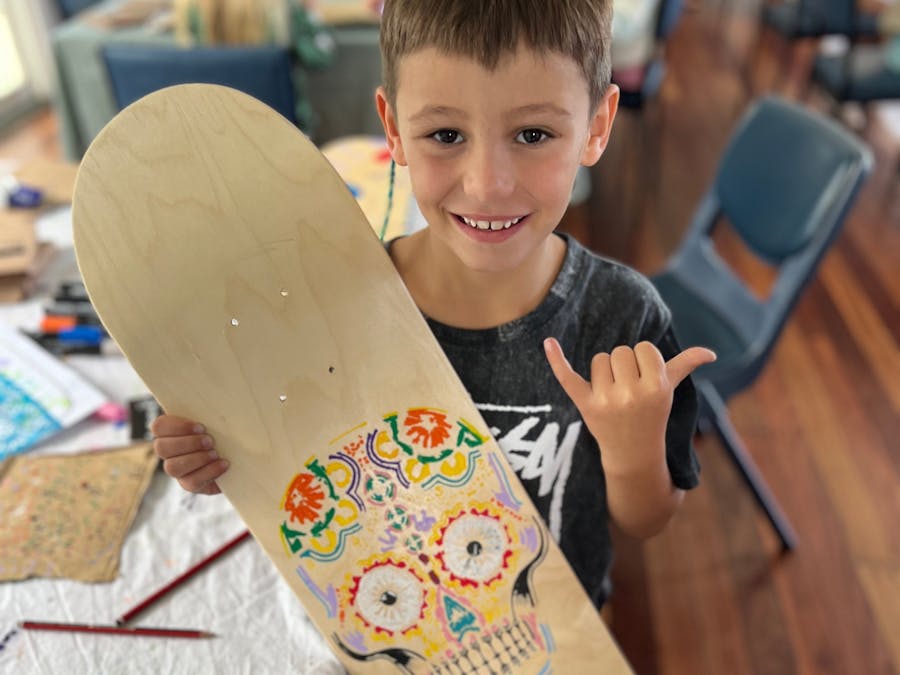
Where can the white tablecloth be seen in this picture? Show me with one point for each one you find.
(261, 626)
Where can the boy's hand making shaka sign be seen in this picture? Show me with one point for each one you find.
(627, 401)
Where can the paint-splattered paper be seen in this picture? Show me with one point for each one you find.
(67, 516)
(39, 394)
(364, 163)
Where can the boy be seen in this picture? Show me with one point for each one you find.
(493, 107)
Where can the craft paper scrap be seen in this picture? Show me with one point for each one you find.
(67, 515)
(39, 394)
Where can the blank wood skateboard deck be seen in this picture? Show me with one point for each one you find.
(239, 277)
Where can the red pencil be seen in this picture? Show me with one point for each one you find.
(215, 555)
(115, 630)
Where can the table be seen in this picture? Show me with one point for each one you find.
(342, 95)
(55, 181)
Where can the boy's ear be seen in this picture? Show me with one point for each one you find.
(389, 122)
(601, 126)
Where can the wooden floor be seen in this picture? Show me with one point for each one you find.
(711, 596)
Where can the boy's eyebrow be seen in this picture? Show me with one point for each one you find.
(537, 108)
(436, 111)
(430, 111)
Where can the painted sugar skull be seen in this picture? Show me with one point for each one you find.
(424, 588)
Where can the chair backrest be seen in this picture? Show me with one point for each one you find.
(827, 17)
(264, 72)
(864, 73)
(785, 183)
(782, 176)
(69, 8)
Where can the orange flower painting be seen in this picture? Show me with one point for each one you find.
(303, 498)
(426, 427)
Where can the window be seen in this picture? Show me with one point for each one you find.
(12, 75)
(24, 72)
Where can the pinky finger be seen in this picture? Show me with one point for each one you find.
(210, 488)
(199, 481)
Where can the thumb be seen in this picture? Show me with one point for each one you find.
(685, 363)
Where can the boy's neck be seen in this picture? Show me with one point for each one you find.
(448, 292)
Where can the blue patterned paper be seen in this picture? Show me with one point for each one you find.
(23, 421)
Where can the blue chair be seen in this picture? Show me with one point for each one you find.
(862, 74)
(797, 20)
(69, 8)
(264, 72)
(785, 184)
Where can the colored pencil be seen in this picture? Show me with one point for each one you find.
(181, 578)
(114, 630)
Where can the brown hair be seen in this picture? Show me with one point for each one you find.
(486, 30)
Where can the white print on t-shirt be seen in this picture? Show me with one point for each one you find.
(544, 458)
(525, 409)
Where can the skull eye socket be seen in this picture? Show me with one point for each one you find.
(475, 547)
(390, 597)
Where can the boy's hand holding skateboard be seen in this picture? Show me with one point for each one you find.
(189, 454)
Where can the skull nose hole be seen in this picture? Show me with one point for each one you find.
(474, 548)
(388, 598)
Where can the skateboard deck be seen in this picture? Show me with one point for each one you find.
(238, 275)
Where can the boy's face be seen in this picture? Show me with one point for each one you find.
(492, 155)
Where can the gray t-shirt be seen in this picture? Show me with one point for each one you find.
(594, 305)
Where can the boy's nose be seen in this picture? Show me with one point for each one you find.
(488, 174)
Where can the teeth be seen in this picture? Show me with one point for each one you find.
(491, 224)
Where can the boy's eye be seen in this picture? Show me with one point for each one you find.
(531, 136)
(448, 136)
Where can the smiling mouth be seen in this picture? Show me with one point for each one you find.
(492, 225)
